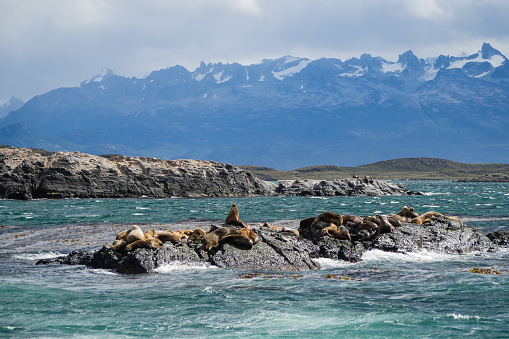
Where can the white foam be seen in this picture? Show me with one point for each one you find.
(420, 256)
(461, 316)
(38, 256)
(178, 266)
(327, 263)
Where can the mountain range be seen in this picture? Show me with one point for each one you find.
(284, 113)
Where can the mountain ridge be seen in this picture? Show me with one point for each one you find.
(285, 113)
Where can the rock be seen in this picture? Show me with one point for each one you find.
(32, 174)
(499, 237)
(340, 187)
(492, 177)
(280, 250)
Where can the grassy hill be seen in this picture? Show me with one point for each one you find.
(396, 169)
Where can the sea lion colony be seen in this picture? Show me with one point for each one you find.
(327, 224)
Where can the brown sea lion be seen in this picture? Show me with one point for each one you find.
(185, 232)
(149, 234)
(353, 219)
(367, 234)
(212, 238)
(372, 218)
(288, 229)
(249, 233)
(395, 220)
(273, 226)
(369, 226)
(329, 228)
(122, 235)
(328, 217)
(384, 225)
(341, 233)
(238, 240)
(233, 217)
(197, 235)
(118, 245)
(408, 213)
(135, 234)
(165, 236)
(139, 244)
(429, 215)
(305, 224)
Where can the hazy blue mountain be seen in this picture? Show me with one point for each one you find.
(289, 112)
(9, 105)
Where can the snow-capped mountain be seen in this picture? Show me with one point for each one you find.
(289, 112)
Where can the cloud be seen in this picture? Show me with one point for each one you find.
(55, 43)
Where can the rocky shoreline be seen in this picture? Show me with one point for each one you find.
(493, 177)
(290, 249)
(27, 174)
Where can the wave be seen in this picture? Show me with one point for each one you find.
(38, 256)
(179, 267)
(326, 263)
(420, 256)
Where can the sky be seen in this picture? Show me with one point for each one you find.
(49, 44)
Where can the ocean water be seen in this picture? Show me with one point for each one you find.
(384, 295)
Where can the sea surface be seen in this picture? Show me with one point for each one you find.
(392, 295)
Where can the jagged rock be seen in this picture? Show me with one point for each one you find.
(499, 237)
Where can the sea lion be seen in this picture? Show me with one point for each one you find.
(118, 245)
(395, 220)
(155, 242)
(149, 234)
(288, 229)
(212, 238)
(135, 234)
(122, 235)
(145, 243)
(238, 240)
(185, 232)
(233, 217)
(329, 228)
(197, 234)
(165, 236)
(329, 218)
(249, 233)
(372, 218)
(274, 227)
(408, 213)
(369, 226)
(367, 234)
(341, 233)
(305, 224)
(352, 219)
(429, 215)
(384, 225)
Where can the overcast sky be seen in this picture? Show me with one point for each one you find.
(59, 43)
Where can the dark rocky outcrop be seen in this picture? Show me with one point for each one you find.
(31, 174)
(341, 187)
(492, 177)
(282, 250)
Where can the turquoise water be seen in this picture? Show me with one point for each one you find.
(384, 295)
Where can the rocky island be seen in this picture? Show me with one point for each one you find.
(293, 247)
(34, 174)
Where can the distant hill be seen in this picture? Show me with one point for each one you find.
(395, 169)
(283, 113)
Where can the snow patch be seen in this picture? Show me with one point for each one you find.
(394, 67)
(430, 74)
(290, 71)
(495, 61)
(360, 71)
